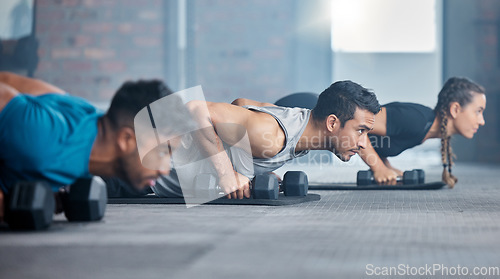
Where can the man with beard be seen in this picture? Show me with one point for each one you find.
(340, 121)
(46, 134)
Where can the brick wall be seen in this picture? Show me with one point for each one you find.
(488, 74)
(472, 49)
(242, 48)
(89, 47)
(235, 48)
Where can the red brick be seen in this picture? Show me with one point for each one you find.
(147, 41)
(58, 53)
(101, 3)
(70, 3)
(78, 66)
(98, 53)
(42, 52)
(100, 27)
(56, 40)
(49, 15)
(140, 4)
(131, 53)
(148, 15)
(80, 41)
(44, 3)
(128, 28)
(113, 66)
(57, 27)
(83, 15)
(46, 66)
(156, 29)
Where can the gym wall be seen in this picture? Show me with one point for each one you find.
(255, 49)
(235, 48)
(89, 47)
(471, 48)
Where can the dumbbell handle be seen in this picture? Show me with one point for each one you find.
(409, 177)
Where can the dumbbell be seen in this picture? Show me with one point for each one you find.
(30, 206)
(421, 176)
(265, 186)
(207, 186)
(85, 200)
(366, 178)
(294, 183)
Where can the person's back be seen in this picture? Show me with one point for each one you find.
(47, 137)
(59, 138)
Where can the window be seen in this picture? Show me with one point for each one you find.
(383, 26)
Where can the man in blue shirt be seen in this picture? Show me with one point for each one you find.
(46, 134)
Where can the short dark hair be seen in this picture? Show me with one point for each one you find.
(133, 96)
(342, 98)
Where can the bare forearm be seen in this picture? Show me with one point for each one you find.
(233, 183)
(212, 147)
(28, 85)
(382, 173)
(207, 138)
(371, 157)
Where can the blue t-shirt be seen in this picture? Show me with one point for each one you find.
(47, 137)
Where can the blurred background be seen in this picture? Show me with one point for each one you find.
(263, 49)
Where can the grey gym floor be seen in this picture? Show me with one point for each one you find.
(344, 235)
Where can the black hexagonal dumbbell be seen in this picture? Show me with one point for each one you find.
(421, 176)
(366, 178)
(265, 186)
(295, 183)
(85, 200)
(30, 206)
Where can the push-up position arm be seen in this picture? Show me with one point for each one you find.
(383, 172)
(208, 116)
(222, 122)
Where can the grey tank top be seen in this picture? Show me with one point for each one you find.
(293, 121)
(190, 161)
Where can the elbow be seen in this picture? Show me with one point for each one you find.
(4, 76)
(194, 106)
(198, 109)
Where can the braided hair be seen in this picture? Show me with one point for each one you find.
(460, 90)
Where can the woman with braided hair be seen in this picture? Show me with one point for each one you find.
(400, 126)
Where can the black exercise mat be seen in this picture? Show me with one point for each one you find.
(353, 186)
(152, 199)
